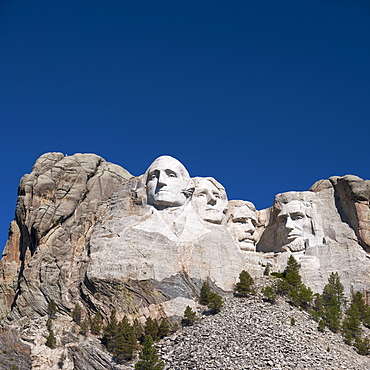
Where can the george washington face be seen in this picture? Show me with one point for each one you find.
(166, 183)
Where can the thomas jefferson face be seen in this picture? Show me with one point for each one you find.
(242, 225)
(293, 221)
(166, 181)
(209, 201)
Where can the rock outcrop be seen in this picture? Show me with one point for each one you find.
(88, 232)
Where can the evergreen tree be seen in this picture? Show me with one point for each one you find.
(333, 290)
(363, 308)
(84, 327)
(151, 328)
(244, 286)
(124, 343)
(49, 323)
(215, 303)
(163, 328)
(266, 271)
(292, 265)
(269, 294)
(362, 346)
(351, 323)
(293, 278)
(189, 316)
(205, 293)
(52, 309)
(77, 314)
(110, 331)
(138, 330)
(96, 323)
(148, 357)
(333, 300)
(51, 341)
(283, 287)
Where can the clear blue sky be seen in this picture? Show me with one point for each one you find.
(265, 96)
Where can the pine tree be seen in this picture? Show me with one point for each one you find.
(148, 357)
(52, 309)
(215, 303)
(151, 328)
(189, 316)
(269, 294)
(51, 341)
(292, 265)
(266, 271)
(244, 286)
(110, 331)
(84, 327)
(163, 328)
(77, 314)
(96, 323)
(363, 308)
(49, 323)
(205, 293)
(333, 299)
(138, 330)
(124, 343)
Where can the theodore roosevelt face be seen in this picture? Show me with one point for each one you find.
(242, 224)
(166, 183)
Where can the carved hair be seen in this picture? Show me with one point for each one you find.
(238, 204)
(306, 198)
(220, 188)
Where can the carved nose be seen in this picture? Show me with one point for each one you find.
(162, 180)
(289, 224)
(212, 200)
(249, 227)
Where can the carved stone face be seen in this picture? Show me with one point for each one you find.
(242, 226)
(166, 182)
(293, 221)
(209, 201)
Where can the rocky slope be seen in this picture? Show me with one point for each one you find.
(252, 334)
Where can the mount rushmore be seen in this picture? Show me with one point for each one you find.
(86, 231)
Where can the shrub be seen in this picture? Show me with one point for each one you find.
(292, 321)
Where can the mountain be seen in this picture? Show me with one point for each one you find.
(88, 233)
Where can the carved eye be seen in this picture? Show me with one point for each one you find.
(297, 217)
(282, 219)
(201, 195)
(171, 174)
(216, 195)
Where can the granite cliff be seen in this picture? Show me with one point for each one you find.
(88, 232)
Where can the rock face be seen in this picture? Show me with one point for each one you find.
(58, 204)
(88, 232)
